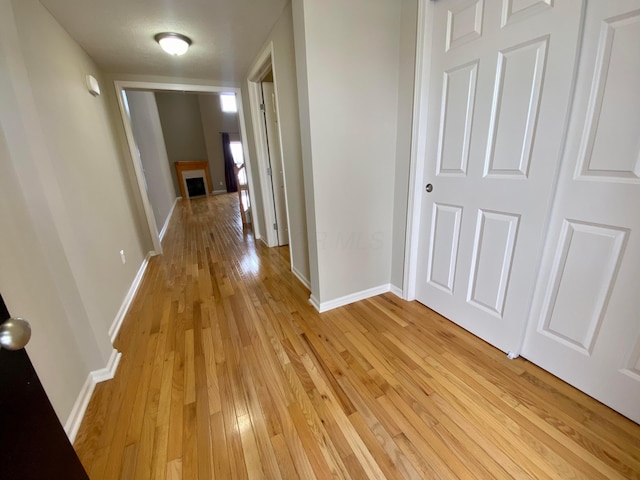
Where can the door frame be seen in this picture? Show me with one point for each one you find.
(264, 62)
(418, 149)
(120, 86)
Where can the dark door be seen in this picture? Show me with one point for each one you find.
(33, 444)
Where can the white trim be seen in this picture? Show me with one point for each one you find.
(218, 192)
(397, 291)
(418, 149)
(138, 170)
(347, 299)
(79, 409)
(121, 85)
(301, 277)
(314, 302)
(74, 420)
(109, 371)
(166, 222)
(128, 299)
(256, 73)
(292, 252)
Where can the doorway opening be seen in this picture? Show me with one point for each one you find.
(122, 87)
(262, 84)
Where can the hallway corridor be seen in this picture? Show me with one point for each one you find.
(229, 373)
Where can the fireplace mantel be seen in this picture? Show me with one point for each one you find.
(186, 166)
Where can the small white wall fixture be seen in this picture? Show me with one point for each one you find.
(121, 86)
(260, 68)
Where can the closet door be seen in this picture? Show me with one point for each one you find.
(493, 112)
(585, 326)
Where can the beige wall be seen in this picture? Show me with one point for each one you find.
(352, 106)
(28, 282)
(182, 129)
(68, 197)
(403, 145)
(147, 132)
(215, 121)
(284, 72)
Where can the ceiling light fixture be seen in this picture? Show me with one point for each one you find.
(173, 43)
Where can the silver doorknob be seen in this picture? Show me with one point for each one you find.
(429, 188)
(15, 334)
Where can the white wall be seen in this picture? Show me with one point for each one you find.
(35, 285)
(284, 71)
(69, 216)
(88, 167)
(351, 69)
(406, 79)
(147, 131)
(215, 121)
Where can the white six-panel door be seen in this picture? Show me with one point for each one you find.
(495, 103)
(585, 324)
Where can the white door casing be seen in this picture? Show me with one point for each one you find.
(275, 162)
(585, 318)
(498, 92)
(120, 87)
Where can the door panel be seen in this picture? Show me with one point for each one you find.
(495, 106)
(516, 10)
(614, 97)
(458, 99)
(514, 110)
(585, 323)
(464, 23)
(445, 233)
(494, 241)
(33, 444)
(578, 322)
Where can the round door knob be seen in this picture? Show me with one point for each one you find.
(429, 188)
(14, 334)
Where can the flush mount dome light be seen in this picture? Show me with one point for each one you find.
(173, 43)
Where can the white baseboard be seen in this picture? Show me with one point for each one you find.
(108, 372)
(301, 277)
(314, 302)
(397, 291)
(126, 303)
(74, 421)
(166, 222)
(352, 298)
(217, 192)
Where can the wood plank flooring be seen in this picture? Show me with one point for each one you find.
(229, 373)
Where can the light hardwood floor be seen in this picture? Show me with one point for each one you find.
(229, 373)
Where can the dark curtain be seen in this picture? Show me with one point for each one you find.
(229, 165)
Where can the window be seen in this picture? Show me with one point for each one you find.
(236, 151)
(228, 103)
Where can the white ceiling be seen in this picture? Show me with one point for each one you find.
(118, 34)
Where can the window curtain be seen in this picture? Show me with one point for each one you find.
(229, 165)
